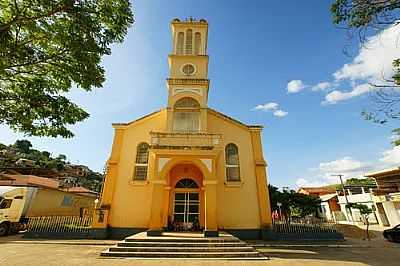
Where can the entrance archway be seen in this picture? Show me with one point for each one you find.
(186, 210)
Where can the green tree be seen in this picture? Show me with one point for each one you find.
(46, 48)
(23, 146)
(46, 154)
(293, 203)
(365, 211)
(360, 18)
(360, 181)
(61, 157)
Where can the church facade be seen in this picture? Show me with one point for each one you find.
(186, 167)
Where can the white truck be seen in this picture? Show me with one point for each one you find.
(14, 204)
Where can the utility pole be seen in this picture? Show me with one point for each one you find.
(345, 196)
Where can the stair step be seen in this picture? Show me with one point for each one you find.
(181, 249)
(179, 240)
(250, 254)
(180, 244)
(175, 245)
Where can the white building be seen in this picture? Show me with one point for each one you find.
(387, 196)
(357, 194)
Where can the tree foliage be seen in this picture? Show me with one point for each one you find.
(362, 13)
(360, 181)
(48, 46)
(361, 18)
(365, 211)
(23, 146)
(43, 160)
(293, 203)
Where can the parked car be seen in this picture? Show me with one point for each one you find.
(392, 234)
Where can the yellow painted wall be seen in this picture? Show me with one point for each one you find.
(47, 202)
(177, 61)
(131, 202)
(237, 205)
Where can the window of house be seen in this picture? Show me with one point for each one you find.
(186, 115)
(232, 162)
(179, 46)
(67, 201)
(189, 41)
(142, 157)
(5, 203)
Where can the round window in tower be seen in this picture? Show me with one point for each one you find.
(188, 69)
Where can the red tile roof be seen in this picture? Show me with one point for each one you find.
(80, 190)
(316, 190)
(26, 180)
(31, 180)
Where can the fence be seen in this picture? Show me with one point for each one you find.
(283, 230)
(59, 226)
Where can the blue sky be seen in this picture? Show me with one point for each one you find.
(266, 60)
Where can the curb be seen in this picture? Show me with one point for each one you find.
(308, 246)
(60, 243)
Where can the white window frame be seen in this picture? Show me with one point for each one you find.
(232, 165)
(141, 164)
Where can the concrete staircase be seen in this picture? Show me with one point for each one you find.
(183, 245)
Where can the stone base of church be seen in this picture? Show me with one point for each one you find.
(114, 232)
(250, 234)
(154, 232)
(121, 233)
(208, 233)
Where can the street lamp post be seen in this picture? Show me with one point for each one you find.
(345, 196)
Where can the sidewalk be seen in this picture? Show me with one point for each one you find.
(377, 241)
(18, 239)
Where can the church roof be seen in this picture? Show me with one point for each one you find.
(215, 112)
(139, 119)
(233, 119)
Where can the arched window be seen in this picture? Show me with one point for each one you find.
(232, 162)
(197, 43)
(180, 41)
(186, 115)
(186, 183)
(142, 157)
(189, 41)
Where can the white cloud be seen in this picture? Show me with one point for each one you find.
(306, 182)
(280, 113)
(371, 65)
(375, 58)
(342, 166)
(266, 107)
(321, 86)
(391, 157)
(325, 173)
(337, 96)
(272, 107)
(295, 86)
(349, 167)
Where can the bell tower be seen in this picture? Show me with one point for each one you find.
(188, 77)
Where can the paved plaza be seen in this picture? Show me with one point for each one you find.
(18, 251)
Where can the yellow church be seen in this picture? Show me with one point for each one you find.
(186, 167)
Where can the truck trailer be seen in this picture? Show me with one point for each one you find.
(19, 203)
(14, 205)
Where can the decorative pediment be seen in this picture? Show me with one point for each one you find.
(187, 90)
